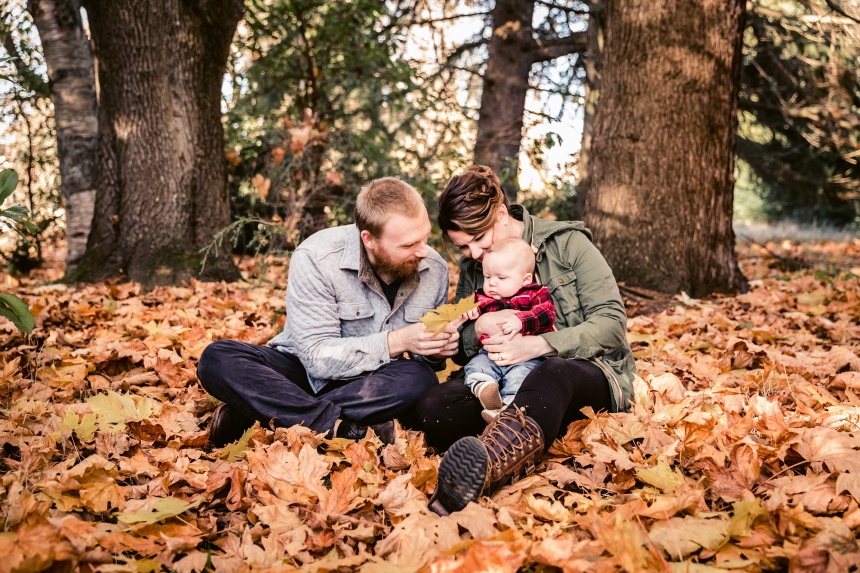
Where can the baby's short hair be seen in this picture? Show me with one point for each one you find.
(517, 250)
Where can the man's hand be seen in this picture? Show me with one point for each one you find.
(511, 325)
(416, 339)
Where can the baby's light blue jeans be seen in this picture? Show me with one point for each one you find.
(509, 378)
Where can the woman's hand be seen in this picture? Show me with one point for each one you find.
(505, 350)
(487, 324)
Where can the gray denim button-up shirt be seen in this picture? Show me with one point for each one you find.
(337, 315)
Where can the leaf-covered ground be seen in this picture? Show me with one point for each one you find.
(741, 453)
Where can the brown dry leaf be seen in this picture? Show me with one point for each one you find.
(624, 541)
(342, 492)
(679, 537)
(478, 520)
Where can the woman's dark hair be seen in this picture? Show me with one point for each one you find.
(470, 202)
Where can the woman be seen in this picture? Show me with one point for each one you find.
(588, 360)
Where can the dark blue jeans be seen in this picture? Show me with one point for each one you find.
(263, 384)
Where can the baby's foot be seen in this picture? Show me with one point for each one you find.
(488, 394)
(490, 415)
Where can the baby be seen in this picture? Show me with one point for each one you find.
(508, 284)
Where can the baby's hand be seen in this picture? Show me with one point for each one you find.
(512, 325)
(472, 314)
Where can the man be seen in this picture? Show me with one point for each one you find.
(355, 297)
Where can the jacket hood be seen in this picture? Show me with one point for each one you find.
(544, 228)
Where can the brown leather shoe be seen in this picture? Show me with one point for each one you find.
(510, 444)
(386, 431)
(227, 426)
(488, 394)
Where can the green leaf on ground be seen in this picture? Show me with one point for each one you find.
(16, 310)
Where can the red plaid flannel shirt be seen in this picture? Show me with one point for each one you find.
(533, 303)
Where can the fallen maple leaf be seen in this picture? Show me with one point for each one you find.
(162, 509)
(438, 318)
(231, 452)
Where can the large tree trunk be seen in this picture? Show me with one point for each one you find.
(162, 183)
(512, 52)
(662, 155)
(73, 91)
(506, 84)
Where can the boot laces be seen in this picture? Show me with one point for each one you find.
(510, 432)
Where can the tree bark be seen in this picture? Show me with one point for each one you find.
(512, 51)
(161, 172)
(73, 92)
(662, 156)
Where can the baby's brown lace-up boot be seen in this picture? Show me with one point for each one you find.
(510, 445)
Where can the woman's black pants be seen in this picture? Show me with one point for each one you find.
(552, 394)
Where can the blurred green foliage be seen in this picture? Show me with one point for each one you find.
(322, 100)
(799, 121)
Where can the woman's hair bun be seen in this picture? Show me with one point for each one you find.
(471, 201)
(491, 186)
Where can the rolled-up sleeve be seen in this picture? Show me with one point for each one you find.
(605, 325)
(324, 353)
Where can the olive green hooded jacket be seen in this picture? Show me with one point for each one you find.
(590, 319)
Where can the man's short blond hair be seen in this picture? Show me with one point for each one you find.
(381, 198)
(515, 250)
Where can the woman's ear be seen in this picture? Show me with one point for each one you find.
(527, 280)
(502, 215)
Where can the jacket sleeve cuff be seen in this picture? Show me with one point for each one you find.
(379, 349)
(560, 340)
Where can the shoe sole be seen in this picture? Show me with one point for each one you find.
(461, 474)
(489, 415)
(490, 397)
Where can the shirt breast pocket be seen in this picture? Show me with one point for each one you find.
(562, 288)
(413, 313)
(356, 318)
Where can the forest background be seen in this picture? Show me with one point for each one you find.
(318, 98)
(152, 136)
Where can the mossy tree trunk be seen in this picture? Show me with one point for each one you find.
(661, 162)
(161, 173)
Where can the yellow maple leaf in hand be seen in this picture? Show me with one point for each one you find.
(438, 319)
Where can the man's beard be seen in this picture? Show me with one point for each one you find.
(394, 271)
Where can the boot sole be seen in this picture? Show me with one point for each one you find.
(461, 475)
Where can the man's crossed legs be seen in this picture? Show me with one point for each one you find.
(259, 383)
